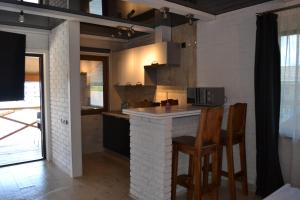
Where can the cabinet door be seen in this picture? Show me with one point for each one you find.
(116, 134)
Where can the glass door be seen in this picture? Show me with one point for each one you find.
(21, 122)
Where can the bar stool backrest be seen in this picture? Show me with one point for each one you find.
(209, 129)
(236, 123)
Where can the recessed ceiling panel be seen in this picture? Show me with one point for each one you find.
(217, 7)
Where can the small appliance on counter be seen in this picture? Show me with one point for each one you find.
(206, 96)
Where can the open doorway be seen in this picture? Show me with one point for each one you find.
(22, 122)
(94, 100)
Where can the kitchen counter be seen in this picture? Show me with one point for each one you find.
(117, 114)
(90, 110)
(151, 133)
(161, 112)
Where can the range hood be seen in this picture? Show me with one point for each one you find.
(163, 54)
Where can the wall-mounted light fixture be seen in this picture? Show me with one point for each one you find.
(21, 18)
(132, 30)
(130, 14)
(190, 18)
(165, 12)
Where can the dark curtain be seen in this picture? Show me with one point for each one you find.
(267, 105)
(12, 66)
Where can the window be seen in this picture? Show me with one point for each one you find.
(94, 84)
(290, 83)
(92, 6)
(96, 7)
(32, 1)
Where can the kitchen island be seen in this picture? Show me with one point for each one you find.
(151, 132)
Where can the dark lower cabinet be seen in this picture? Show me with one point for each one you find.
(116, 134)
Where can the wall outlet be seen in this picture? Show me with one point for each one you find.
(64, 121)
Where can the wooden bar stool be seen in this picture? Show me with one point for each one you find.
(235, 134)
(207, 142)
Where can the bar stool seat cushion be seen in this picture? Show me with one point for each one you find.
(185, 140)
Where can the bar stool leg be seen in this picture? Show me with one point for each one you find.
(174, 171)
(205, 170)
(197, 176)
(191, 174)
(243, 167)
(230, 166)
(220, 165)
(215, 174)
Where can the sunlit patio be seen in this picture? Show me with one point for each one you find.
(20, 136)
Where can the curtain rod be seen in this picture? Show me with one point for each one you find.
(280, 9)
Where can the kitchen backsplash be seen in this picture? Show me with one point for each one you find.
(132, 96)
(171, 92)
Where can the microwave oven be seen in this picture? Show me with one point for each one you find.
(206, 96)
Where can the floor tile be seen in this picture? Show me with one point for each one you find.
(106, 177)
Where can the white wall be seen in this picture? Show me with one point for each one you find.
(64, 47)
(74, 92)
(36, 39)
(225, 57)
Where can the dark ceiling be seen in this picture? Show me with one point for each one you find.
(217, 7)
(105, 31)
(142, 14)
(31, 21)
(125, 11)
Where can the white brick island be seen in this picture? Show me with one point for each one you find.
(151, 132)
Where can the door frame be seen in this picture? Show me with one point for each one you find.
(42, 98)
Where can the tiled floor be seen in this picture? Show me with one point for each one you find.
(106, 177)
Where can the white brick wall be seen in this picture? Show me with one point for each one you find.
(226, 54)
(63, 140)
(151, 154)
(59, 96)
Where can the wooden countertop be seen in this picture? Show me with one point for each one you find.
(117, 114)
(89, 110)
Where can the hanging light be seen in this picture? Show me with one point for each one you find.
(129, 34)
(165, 12)
(190, 18)
(21, 17)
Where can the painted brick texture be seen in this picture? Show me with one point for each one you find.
(59, 97)
(151, 154)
